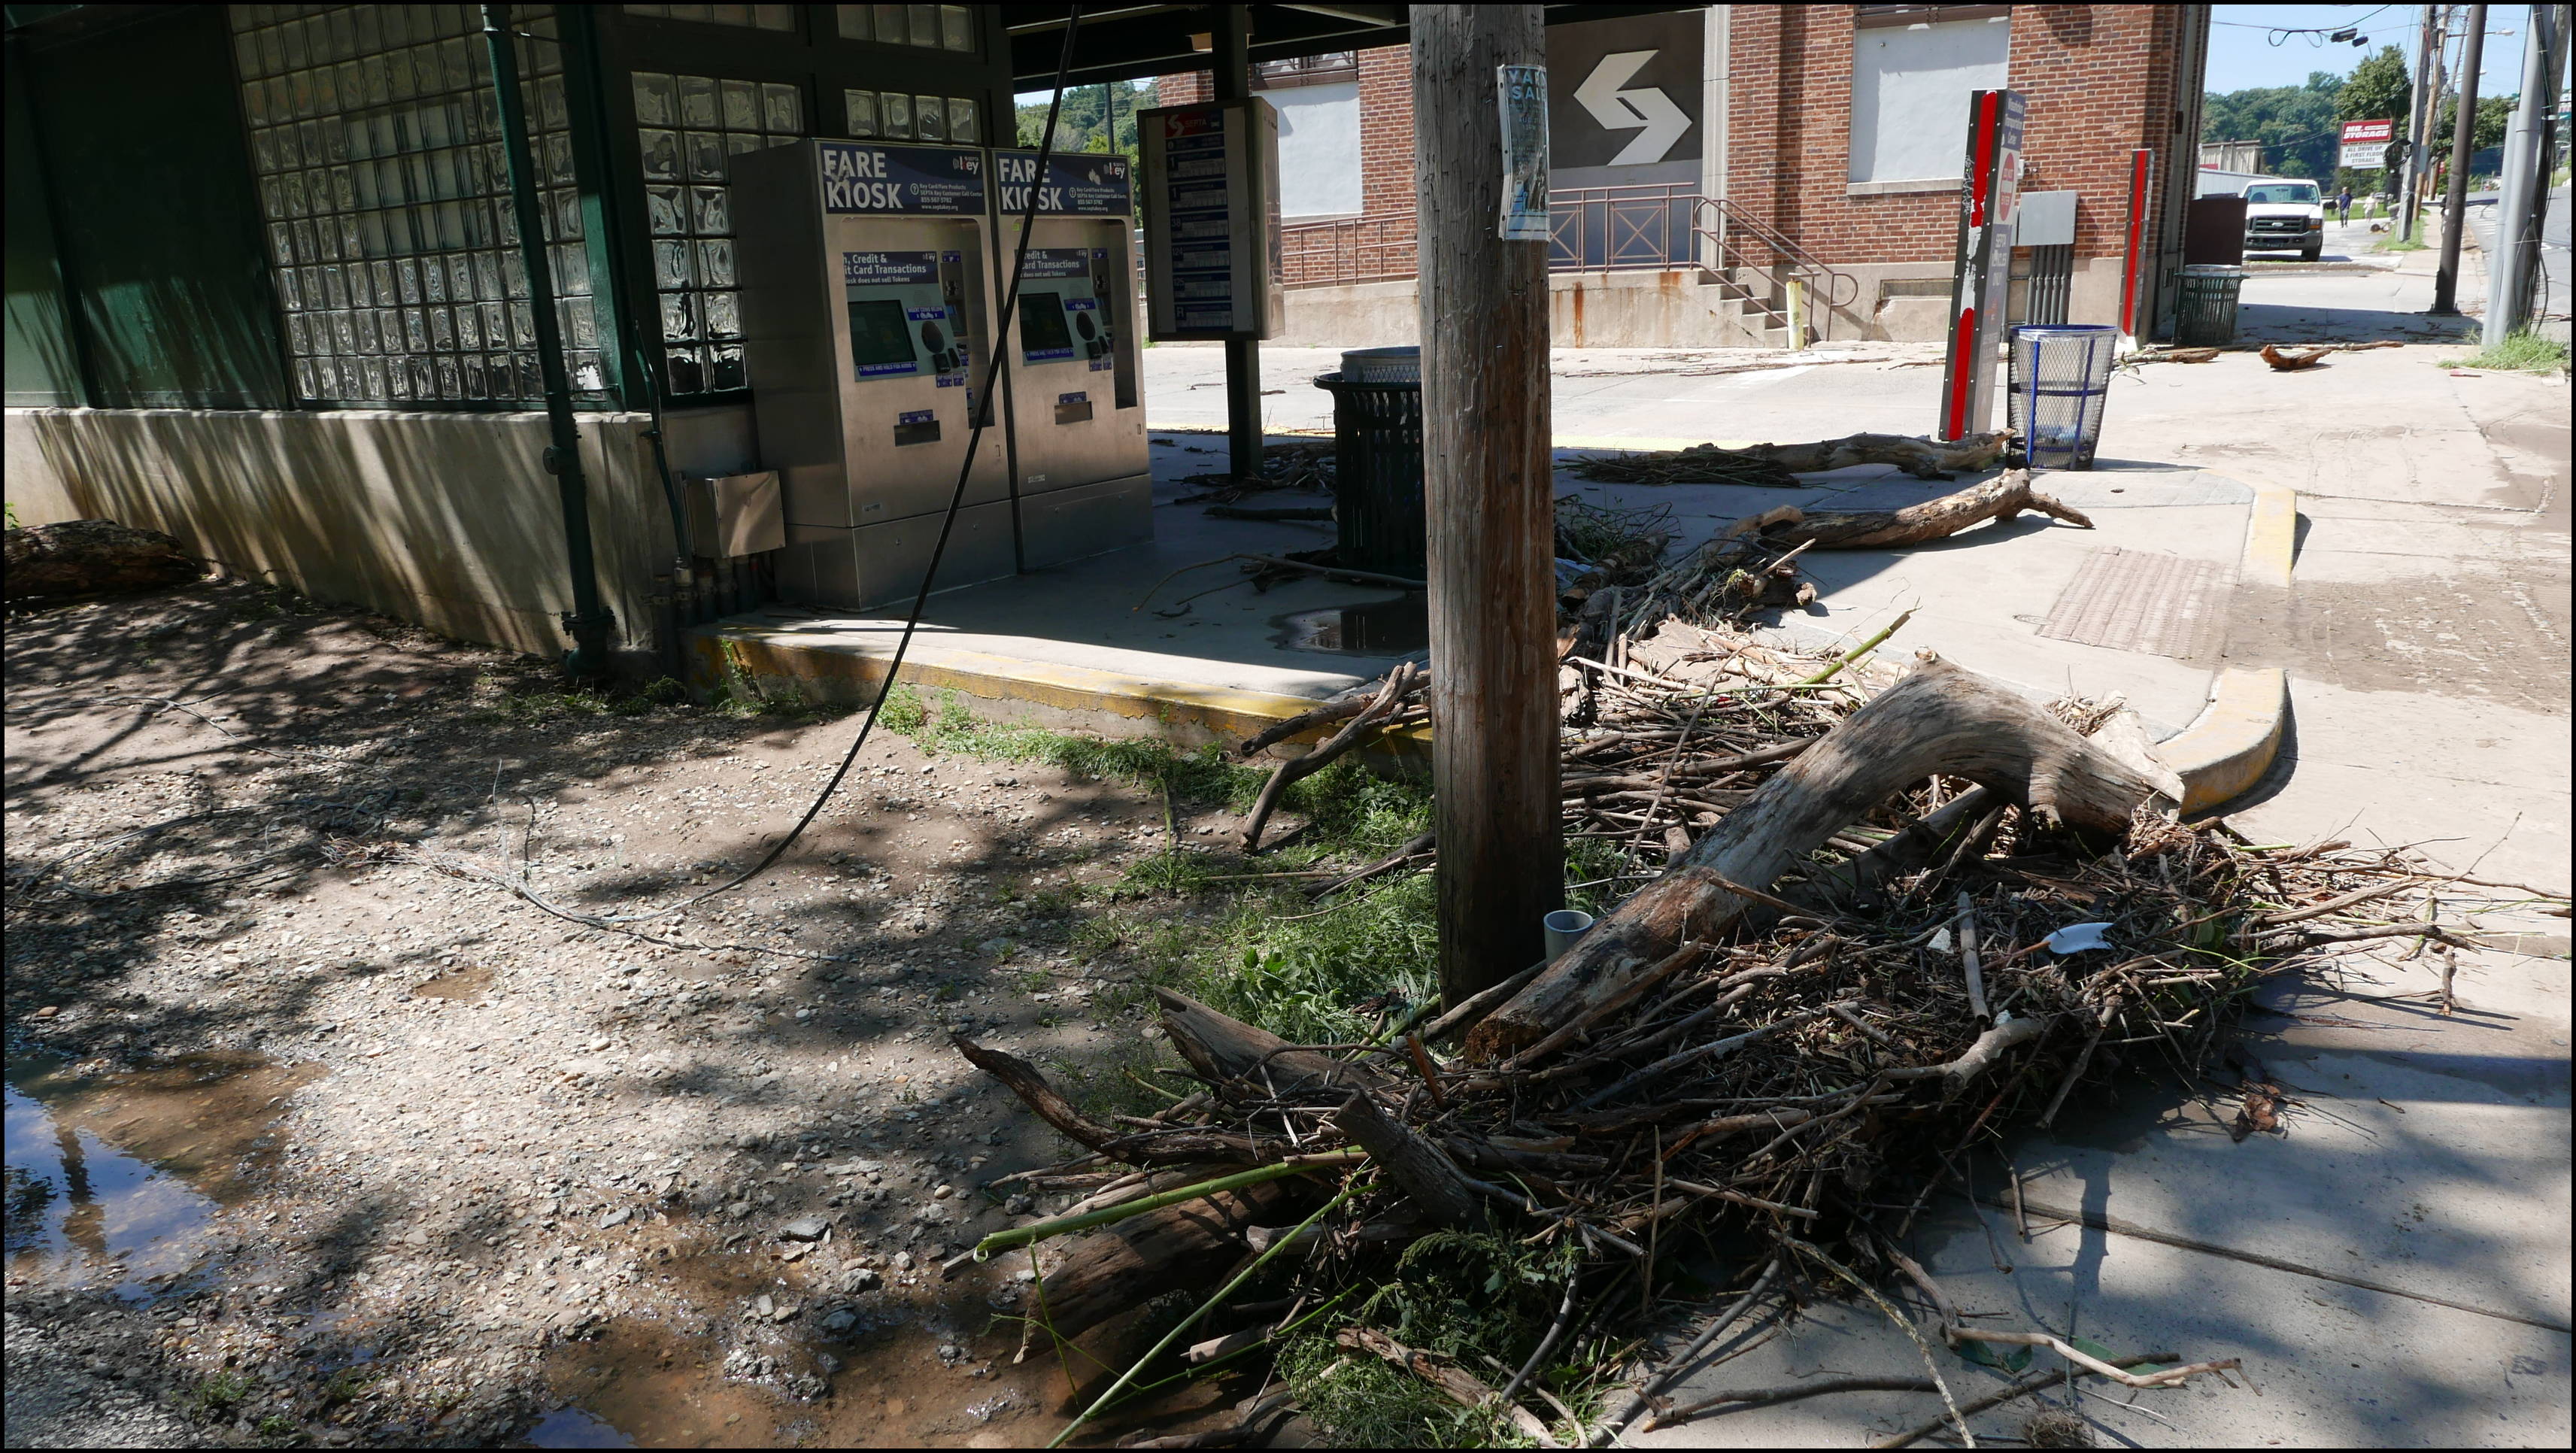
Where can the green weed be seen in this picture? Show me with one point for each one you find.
(2520, 351)
(1482, 1300)
(220, 1393)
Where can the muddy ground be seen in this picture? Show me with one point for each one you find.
(310, 1142)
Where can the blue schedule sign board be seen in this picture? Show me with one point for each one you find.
(1211, 199)
(864, 178)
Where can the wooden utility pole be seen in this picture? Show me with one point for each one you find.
(1230, 50)
(2419, 121)
(2455, 196)
(1488, 480)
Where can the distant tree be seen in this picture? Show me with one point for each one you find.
(2296, 124)
(2379, 90)
(1081, 125)
(2495, 117)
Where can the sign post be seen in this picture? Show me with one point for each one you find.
(2141, 167)
(1983, 277)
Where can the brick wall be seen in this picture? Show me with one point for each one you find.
(2096, 91)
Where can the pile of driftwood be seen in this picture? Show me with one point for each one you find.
(1881, 919)
(1776, 466)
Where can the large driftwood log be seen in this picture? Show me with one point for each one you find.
(1922, 458)
(1129, 1263)
(92, 557)
(1429, 1179)
(1940, 719)
(1999, 498)
(1221, 1048)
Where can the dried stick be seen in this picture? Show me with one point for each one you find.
(2038, 1382)
(1968, 958)
(1398, 682)
(1644, 1396)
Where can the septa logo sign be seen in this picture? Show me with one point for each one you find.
(1624, 93)
(1662, 123)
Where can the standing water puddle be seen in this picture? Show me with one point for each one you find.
(115, 1179)
(1377, 628)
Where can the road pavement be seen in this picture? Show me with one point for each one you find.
(2483, 226)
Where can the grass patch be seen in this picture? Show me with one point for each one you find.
(1483, 1301)
(219, 1394)
(1255, 947)
(2525, 351)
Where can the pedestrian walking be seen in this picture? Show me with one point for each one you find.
(2343, 203)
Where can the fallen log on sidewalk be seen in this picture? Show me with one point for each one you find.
(1940, 719)
(2000, 498)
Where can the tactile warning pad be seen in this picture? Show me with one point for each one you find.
(2137, 600)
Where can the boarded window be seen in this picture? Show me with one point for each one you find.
(1910, 86)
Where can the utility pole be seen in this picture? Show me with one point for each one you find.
(1488, 477)
(2455, 197)
(2525, 203)
(2419, 120)
(1231, 52)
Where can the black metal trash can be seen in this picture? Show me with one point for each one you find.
(1377, 474)
(2205, 314)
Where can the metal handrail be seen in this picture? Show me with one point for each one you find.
(1732, 216)
(1593, 229)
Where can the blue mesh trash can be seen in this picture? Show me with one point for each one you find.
(2061, 374)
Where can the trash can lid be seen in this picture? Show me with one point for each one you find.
(2211, 269)
(1383, 365)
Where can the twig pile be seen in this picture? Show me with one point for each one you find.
(1307, 466)
(1946, 968)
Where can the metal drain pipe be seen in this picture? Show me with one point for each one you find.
(589, 621)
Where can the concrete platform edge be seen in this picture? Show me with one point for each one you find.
(1067, 697)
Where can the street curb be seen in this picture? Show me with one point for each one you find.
(2233, 742)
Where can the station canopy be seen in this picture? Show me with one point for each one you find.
(1132, 42)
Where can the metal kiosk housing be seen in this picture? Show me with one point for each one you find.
(867, 316)
(1083, 481)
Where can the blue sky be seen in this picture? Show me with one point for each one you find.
(2241, 53)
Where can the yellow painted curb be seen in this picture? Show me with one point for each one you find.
(1100, 701)
(2233, 741)
(2229, 746)
(2271, 535)
(1559, 441)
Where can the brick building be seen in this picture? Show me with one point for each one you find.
(1766, 171)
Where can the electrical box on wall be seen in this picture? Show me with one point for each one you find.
(735, 515)
(1081, 479)
(867, 321)
(1211, 184)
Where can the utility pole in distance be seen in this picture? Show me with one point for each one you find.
(1488, 483)
(2524, 205)
(2455, 197)
(1230, 45)
(2419, 113)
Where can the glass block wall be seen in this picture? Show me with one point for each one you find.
(688, 127)
(382, 180)
(908, 115)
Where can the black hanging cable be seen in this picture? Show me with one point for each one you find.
(983, 419)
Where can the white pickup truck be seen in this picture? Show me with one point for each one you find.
(2282, 214)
